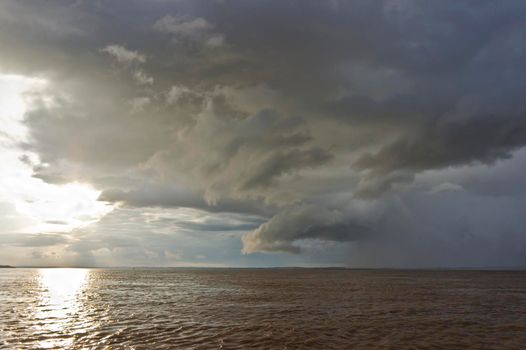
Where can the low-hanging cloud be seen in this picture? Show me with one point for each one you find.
(299, 223)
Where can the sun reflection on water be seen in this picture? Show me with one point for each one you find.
(59, 305)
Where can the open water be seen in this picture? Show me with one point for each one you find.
(261, 309)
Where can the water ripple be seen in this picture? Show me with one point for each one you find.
(260, 309)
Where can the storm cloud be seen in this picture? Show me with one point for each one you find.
(336, 128)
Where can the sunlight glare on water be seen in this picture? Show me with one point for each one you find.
(59, 303)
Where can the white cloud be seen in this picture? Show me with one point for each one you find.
(123, 55)
(130, 59)
(142, 78)
(177, 92)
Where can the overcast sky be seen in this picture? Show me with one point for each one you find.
(263, 133)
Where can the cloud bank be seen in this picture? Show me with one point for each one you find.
(343, 132)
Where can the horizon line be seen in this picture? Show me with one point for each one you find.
(436, 268)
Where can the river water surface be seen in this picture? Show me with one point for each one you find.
(261, 309)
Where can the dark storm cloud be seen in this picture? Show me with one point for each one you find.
(484, 139)
(292, 110)
(302, 222)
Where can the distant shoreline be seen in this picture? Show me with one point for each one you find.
(430, 269)
(6, 267)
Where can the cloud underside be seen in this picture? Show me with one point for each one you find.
(321, 118)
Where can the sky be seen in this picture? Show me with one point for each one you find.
(263, 133)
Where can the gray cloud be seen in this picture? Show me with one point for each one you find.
(172, 197)
(302, 222)
(316, 115)
(196, 30)
(466, 139)
(33, 240)
(272, 144)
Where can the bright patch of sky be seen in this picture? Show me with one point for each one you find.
(35, 206)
